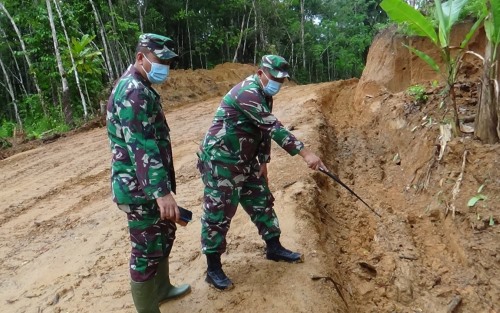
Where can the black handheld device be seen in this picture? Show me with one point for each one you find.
(186, 215)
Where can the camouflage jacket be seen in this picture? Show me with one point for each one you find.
(243, 127)
(142, 166)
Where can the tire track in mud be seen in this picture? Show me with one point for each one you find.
(67, 188)
(36, 239)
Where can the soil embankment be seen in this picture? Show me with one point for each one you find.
(429, 251)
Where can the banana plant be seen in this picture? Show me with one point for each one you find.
(488, 114)
(84, 59)
(447, 14)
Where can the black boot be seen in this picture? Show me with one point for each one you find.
(215, 275)
(276, 252)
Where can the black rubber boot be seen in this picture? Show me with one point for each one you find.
(215, 275)
(276, 252)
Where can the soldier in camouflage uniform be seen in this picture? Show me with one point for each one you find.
(142, 176)
(233, 161)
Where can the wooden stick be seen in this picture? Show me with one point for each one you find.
(456, 188)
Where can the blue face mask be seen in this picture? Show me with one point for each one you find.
(158, 73)
(272, 87)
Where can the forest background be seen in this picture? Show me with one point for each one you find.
(59, 58)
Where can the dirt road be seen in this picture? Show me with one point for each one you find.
(65, 246)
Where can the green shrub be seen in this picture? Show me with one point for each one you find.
(418, 93)
(7, 129)
(37, 128)
(473, 8)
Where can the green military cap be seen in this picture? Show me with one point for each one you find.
(278, 66)
(161, 46)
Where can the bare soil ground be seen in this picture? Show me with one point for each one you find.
(64, 244)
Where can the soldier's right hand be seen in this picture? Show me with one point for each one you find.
(312, 160)
(168, 208)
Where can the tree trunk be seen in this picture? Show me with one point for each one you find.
(189, 36)
(487, 127)
(239, 41)
(18, 68)
(255, 33)
(110, 73)
(141, 25)
(10, 90)
(453, 100)
(328, 63)
(65, 99)
(110, 4)
(30, 66)
(263, 38)
(291, 60)
(116, 50)
(227, 48)
(129, 57)
(245, 41)
(302, 40)
(77, 76)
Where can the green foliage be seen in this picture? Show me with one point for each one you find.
(7, 129)
(402, 13)
(418, 93)
(43, 126)
(30, 107)
(447, 14)
(338, 34)
(87, 59)
(492, 25)
(479, 196)
(474, 9)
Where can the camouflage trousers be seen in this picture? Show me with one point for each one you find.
(151, 238)
(224, 190)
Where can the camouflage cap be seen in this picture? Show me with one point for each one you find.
(278, 66)
(161, 46)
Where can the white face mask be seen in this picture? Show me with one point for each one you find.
(158, 73)
(272, 87)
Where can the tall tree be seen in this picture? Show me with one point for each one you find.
(77, 76)
(65, 99)
(302, 40)
(235, 58)
(19, 76)
(10, 90)
(107, 56)
(26, 56)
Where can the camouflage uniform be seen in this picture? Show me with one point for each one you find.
(142, 166)
(238, 141)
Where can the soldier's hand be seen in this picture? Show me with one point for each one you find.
(263, 171)
(168, 208)
(312, 160)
